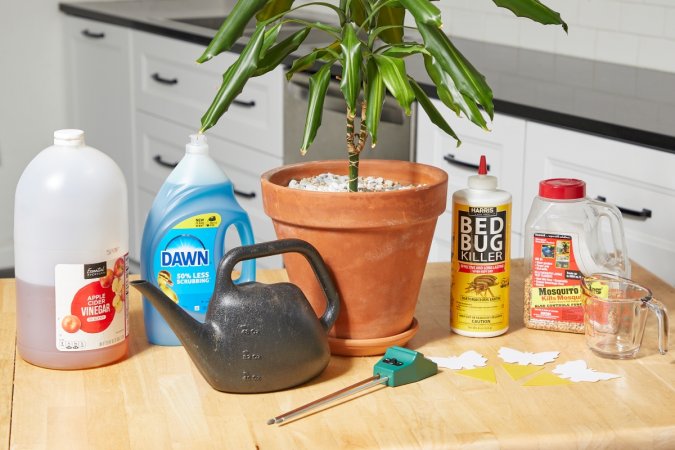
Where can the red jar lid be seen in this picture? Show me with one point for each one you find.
(562, 188)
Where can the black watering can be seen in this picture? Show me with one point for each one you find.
(256, 337)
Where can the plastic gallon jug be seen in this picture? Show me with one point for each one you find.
(481, 257)
(184, 237)
(564, 240)
(70, 249)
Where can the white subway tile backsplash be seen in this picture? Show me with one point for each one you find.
(670, 24)
(657, 53)
(634, 32)
(580, 42)
(643, 19)
(600, 14)
(617, 47)
(502, 30)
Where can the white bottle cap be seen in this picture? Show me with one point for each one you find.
(69, 138)
(483, 181)
(197, 145)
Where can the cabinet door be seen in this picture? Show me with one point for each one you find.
(99, 93)
(638, 180)
(503, 148)
(169, 83)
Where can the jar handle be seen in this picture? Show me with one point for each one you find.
(616, 256)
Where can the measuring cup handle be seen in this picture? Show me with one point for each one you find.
(262, 249)
(662, 317)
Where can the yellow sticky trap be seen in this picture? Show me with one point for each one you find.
(546, 379)
(516, 371)
(482, 373)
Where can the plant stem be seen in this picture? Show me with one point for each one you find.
(353, 172)
(354, 150)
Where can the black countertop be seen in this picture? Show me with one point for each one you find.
(621, 102)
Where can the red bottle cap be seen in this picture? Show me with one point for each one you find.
(562, 188)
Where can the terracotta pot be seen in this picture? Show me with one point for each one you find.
(375, 245)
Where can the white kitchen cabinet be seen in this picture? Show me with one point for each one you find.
(171, 93)
(503, 148)
(637, 179)
(99, 94)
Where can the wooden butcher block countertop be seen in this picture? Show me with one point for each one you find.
(156, 398)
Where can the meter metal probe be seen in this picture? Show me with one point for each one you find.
(397, 367)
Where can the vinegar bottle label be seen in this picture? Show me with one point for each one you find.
(91, 310)
(479, 295)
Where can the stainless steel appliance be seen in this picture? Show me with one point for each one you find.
(395, 132)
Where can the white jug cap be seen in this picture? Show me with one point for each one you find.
(69, 137)
(197, 145)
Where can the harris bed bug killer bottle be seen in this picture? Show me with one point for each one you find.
(481, 245)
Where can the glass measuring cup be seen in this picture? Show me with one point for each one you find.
(615, 313)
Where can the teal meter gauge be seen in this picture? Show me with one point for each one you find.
(397, 367)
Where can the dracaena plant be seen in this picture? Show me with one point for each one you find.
(368, 42)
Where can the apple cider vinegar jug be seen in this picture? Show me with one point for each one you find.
(71, 241)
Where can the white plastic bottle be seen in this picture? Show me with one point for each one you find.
(481, 257)
(70, 249)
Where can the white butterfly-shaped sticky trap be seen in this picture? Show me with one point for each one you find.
(510, 355)
(467, 360)
(579, 371)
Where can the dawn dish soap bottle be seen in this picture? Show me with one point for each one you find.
(184, 237)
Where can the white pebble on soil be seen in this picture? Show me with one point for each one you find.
(329, 182)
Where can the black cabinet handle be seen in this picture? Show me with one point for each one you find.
(450, 158)
(249, 104)
(244, 194)
(158, 159)
(631, 213)
(91, 34)
(158, 78)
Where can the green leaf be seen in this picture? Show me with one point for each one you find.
(276, 54)
(533, 9)
(375, 96)
(396, 79)
(270, 38)
(423, 11)
(318, 85)
(307, 62)
(274, 8)
(358, 13)
(232, 28)
(450, 95)
(435, 116)
(393, 17)
(234, 79)
(467, 79)
(403, 50)
(350, 84)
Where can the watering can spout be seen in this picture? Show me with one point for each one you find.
(186, 327)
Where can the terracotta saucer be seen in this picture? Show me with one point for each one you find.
(370, 347)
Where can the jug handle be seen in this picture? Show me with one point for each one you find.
(662, 317)
(262, 249)
(614, 216)
(246, 236)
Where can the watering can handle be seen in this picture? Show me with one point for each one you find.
(263, 249)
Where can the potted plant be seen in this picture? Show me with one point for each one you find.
(375, 243)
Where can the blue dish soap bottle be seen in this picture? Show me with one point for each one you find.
(184, 237)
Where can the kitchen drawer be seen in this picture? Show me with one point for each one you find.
(503, 148)
(629, 176)
(170, 84)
